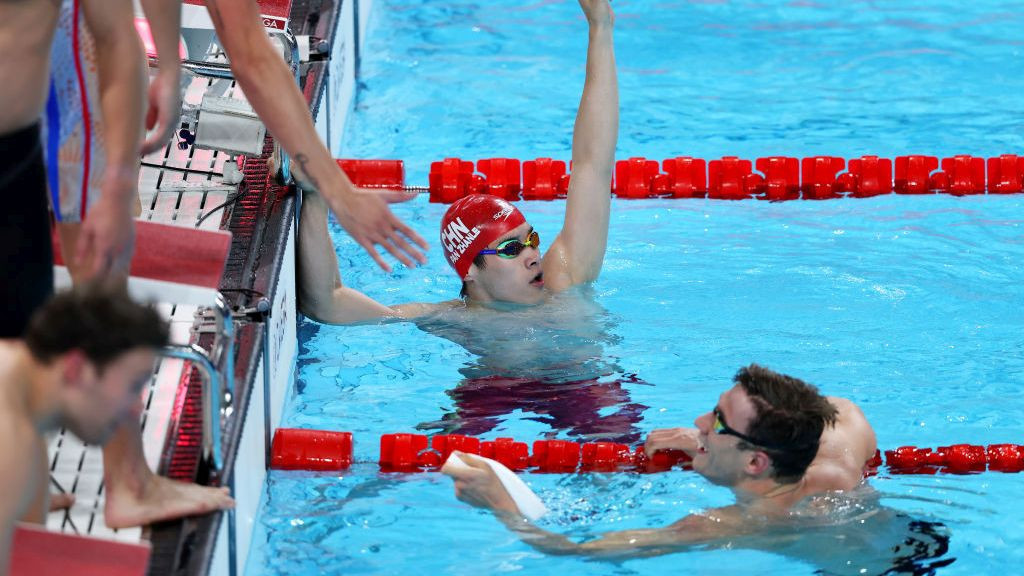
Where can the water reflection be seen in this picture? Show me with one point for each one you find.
(547, 361)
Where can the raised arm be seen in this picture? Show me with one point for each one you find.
(577, 253)
(271, 90)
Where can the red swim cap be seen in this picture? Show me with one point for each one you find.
(473, 222)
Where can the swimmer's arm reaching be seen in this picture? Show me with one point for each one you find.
(270, 88)
(692, 530)
(478, 485)
(576, 255)
(321, 294)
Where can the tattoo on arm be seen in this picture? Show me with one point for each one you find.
(302, 160)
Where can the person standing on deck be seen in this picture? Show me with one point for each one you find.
(26, 33)
(102, 244)
(96, 230)
(509, 286)
(86, 355)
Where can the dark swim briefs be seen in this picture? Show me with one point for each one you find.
(26, 255)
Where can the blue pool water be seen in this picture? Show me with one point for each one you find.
(910, 306)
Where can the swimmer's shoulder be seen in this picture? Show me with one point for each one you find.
(844, 450)
(851, 420)
(842, 404)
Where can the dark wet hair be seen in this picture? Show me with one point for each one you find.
(100, 319)
(480, 262)
(788, 413)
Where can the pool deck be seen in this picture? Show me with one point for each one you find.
(186, 188)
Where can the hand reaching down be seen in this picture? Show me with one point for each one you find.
(365, 215)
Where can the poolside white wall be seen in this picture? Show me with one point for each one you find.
(250, 464)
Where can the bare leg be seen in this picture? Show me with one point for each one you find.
(68, 232)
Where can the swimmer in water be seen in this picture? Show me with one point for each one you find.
(784, 450)
(538, 342)
(488, 241)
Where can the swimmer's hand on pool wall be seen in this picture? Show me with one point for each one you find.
(478, 485)
(684, 439)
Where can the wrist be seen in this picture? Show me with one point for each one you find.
(120, 183)
(172, 73)
(336, 185)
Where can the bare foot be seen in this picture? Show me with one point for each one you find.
(162, 499)
(61, 501)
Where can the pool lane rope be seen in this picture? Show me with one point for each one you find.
(775, 178)
(323, 450)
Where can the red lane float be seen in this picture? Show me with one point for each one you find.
(1006, 174)
(605, 457)
(544, 179)
(731, 178)
(375, 173)
(820, 180)
(501, 177)
(957, 459)
(684, 177)
(781, 178)
(514, 455)
(296, 449)
(451, 179)
(867, 176)
(634, 178)
(774, 178)
(405, 452)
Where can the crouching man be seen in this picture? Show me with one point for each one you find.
(82, 364)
